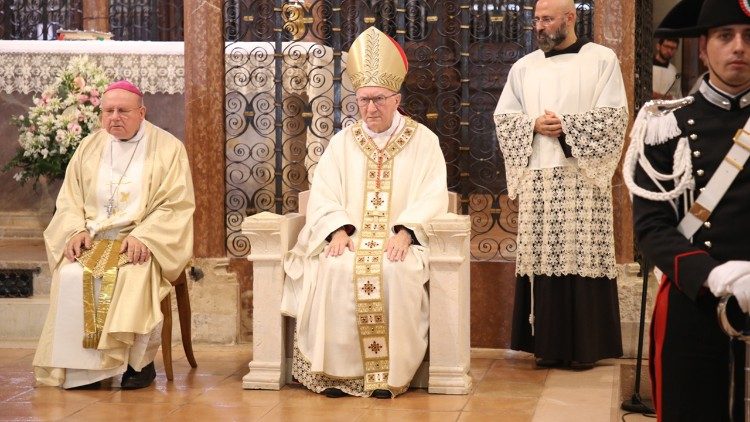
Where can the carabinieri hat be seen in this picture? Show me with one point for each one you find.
(693, 18)
(683, 14)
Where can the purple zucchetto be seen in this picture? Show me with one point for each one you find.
(126, 85)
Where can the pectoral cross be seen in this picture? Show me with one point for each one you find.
(111, 207)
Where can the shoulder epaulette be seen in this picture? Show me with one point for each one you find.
(656, 123)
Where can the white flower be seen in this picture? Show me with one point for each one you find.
(74, 128)
(54, 125)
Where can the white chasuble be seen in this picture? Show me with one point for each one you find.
(362, 320)
(148, 180)
(565, 203)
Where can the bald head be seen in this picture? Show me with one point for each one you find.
(557, 6)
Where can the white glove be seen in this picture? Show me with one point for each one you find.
(741, 291)
(721, 278)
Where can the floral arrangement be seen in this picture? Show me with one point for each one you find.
(65, 113)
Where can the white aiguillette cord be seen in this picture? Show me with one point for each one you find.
(111, 207)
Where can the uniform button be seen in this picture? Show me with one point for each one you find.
(696, 154)
(702, 189)
(707, 224)
(691, 122)
(708, 244)
(700, 172)
(693, 137)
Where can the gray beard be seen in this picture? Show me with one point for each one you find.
(548, 42)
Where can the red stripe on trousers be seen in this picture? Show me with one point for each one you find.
(658, 333)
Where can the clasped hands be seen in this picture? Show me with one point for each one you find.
(137, 252)
(396, 246)
(548, 124)
(732, 277)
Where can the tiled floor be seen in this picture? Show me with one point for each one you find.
(506, 389)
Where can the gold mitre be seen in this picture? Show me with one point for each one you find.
(375, 59)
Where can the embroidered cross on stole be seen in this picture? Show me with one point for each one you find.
(101, 260)
(368, 279)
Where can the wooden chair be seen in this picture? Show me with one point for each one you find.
(183, 310)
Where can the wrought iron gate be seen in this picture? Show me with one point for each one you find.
(38, 19)
(146, 20)
(151, 20)
(285, 96)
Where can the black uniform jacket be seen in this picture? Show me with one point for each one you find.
(710, 124)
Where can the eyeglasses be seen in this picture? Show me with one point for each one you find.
(120, 111)
(545, 21)
(379, 101)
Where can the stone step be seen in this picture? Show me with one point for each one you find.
(27, 254)
(42, 279)
(33, 222)
(23, 318)
(20, 233)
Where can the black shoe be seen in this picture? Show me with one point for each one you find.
(382, 394)
(128, 373)
(333, 393)
(139, 379)
(93, 386)
(549, 363)
(581, 366)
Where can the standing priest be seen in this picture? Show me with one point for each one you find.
(357, 274)
(561, 122)
(123, 229)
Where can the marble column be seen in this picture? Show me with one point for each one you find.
(204, 121)
(614, 27)
(215, 297)
(96, 15)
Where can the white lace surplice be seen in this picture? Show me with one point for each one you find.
(565, 204)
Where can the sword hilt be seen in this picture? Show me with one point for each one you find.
(729, 313)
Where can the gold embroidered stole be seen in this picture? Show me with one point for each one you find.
(368, 266)
(101, 260)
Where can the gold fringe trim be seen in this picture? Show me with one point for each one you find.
(102, 260)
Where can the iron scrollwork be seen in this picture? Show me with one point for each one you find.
(38, 19)
(285, 97)
(146, 20)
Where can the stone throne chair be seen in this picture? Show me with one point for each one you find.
(446, 366)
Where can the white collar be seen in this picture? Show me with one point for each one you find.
(395, 124)
(137, 137)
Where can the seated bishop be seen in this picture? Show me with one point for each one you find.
(356, 279)
(122, 230)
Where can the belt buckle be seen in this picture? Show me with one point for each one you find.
(700, 212)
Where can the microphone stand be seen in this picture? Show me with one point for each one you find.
(636, 404)
(676, 79)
